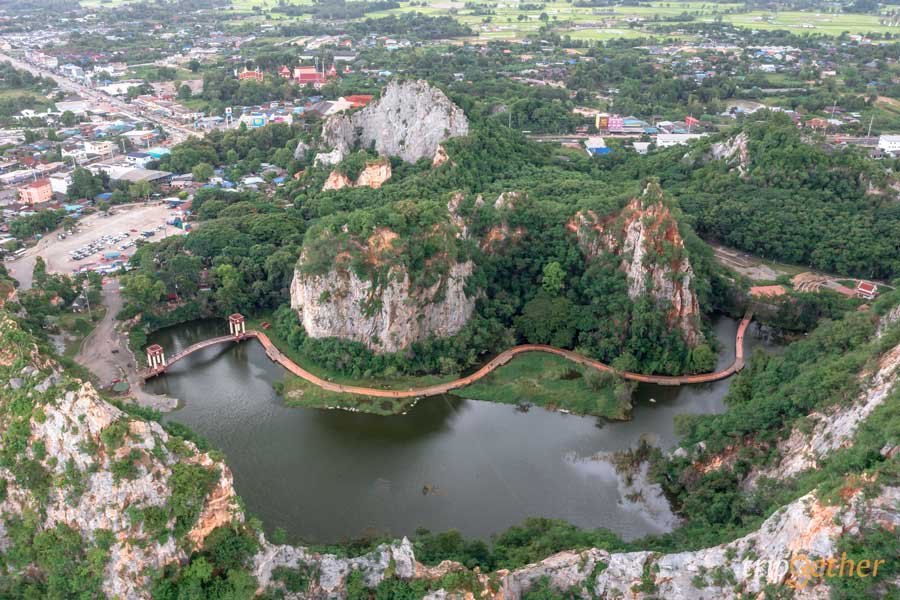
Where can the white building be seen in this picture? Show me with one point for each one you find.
(100, 148)
(139, 159)
(77, 107)
(60, 182)
(666, 140)
(119, 88)
(889, 143)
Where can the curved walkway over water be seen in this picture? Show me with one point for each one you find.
(498, 361)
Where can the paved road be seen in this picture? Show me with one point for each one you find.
(22, 269)
(501, 359)
(178, 132)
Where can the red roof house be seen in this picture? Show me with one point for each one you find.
(312, 76)
(358, 100)
(867, 290)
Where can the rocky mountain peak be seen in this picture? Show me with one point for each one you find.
(645, 235)
(410, 120)
(367, 293)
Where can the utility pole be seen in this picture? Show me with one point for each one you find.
(869, 132)
(85, 288)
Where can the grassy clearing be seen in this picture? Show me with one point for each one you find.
(800, 22)
(542, 379)
(404, 382)
(553, 382)
(77, 327)
(298, 392)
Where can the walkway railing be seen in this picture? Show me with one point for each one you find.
(501, 359)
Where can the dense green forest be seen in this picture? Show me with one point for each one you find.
(248, 245)
(795, 201)
(792, 201)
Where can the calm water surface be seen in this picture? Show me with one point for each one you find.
(325, 476)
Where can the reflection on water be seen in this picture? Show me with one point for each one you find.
(449, 463)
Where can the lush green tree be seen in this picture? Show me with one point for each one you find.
(202, 172)
(143, 290)
(84, 184)
(553, 279)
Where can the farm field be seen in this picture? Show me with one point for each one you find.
(507, 21)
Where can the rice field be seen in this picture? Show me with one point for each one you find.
(508, 21)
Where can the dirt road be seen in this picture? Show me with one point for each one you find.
(105, 353)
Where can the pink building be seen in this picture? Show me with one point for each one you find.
(36, 192)
(616, 123)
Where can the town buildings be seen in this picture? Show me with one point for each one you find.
(889, 144)
(36, 192)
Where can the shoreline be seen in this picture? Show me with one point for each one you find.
(275, 354)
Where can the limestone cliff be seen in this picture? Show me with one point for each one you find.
(335, 305)
(73, 460)
(738, 569)
(410, 120)
(733, 151)
(367, 293)
(823, 432)
(374, 175)
(646, 237)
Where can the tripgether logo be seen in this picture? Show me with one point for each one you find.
(804, 569)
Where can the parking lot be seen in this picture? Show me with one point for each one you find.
(96, 236)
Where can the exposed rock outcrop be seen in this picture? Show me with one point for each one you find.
(340, 304)
(366, 293)
(803, 527)
(410, 120)
(825, 431)
(734, 151)
(739, 569)
(396, 558)
(301, 150)
(376, 173)
(646, 237)
(329, 158)
(440, 157)
(77, 438)
(336, 181)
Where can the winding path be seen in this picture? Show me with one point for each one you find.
(498, 361)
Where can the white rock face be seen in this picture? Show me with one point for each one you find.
(332, 570)
(410, 120)
(640, 235)
(734, 151)
(71, 426)
(329, 158)
(803, 527)
(332, 305)
(835, 428)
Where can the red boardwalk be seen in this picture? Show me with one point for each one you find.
(501, 359)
